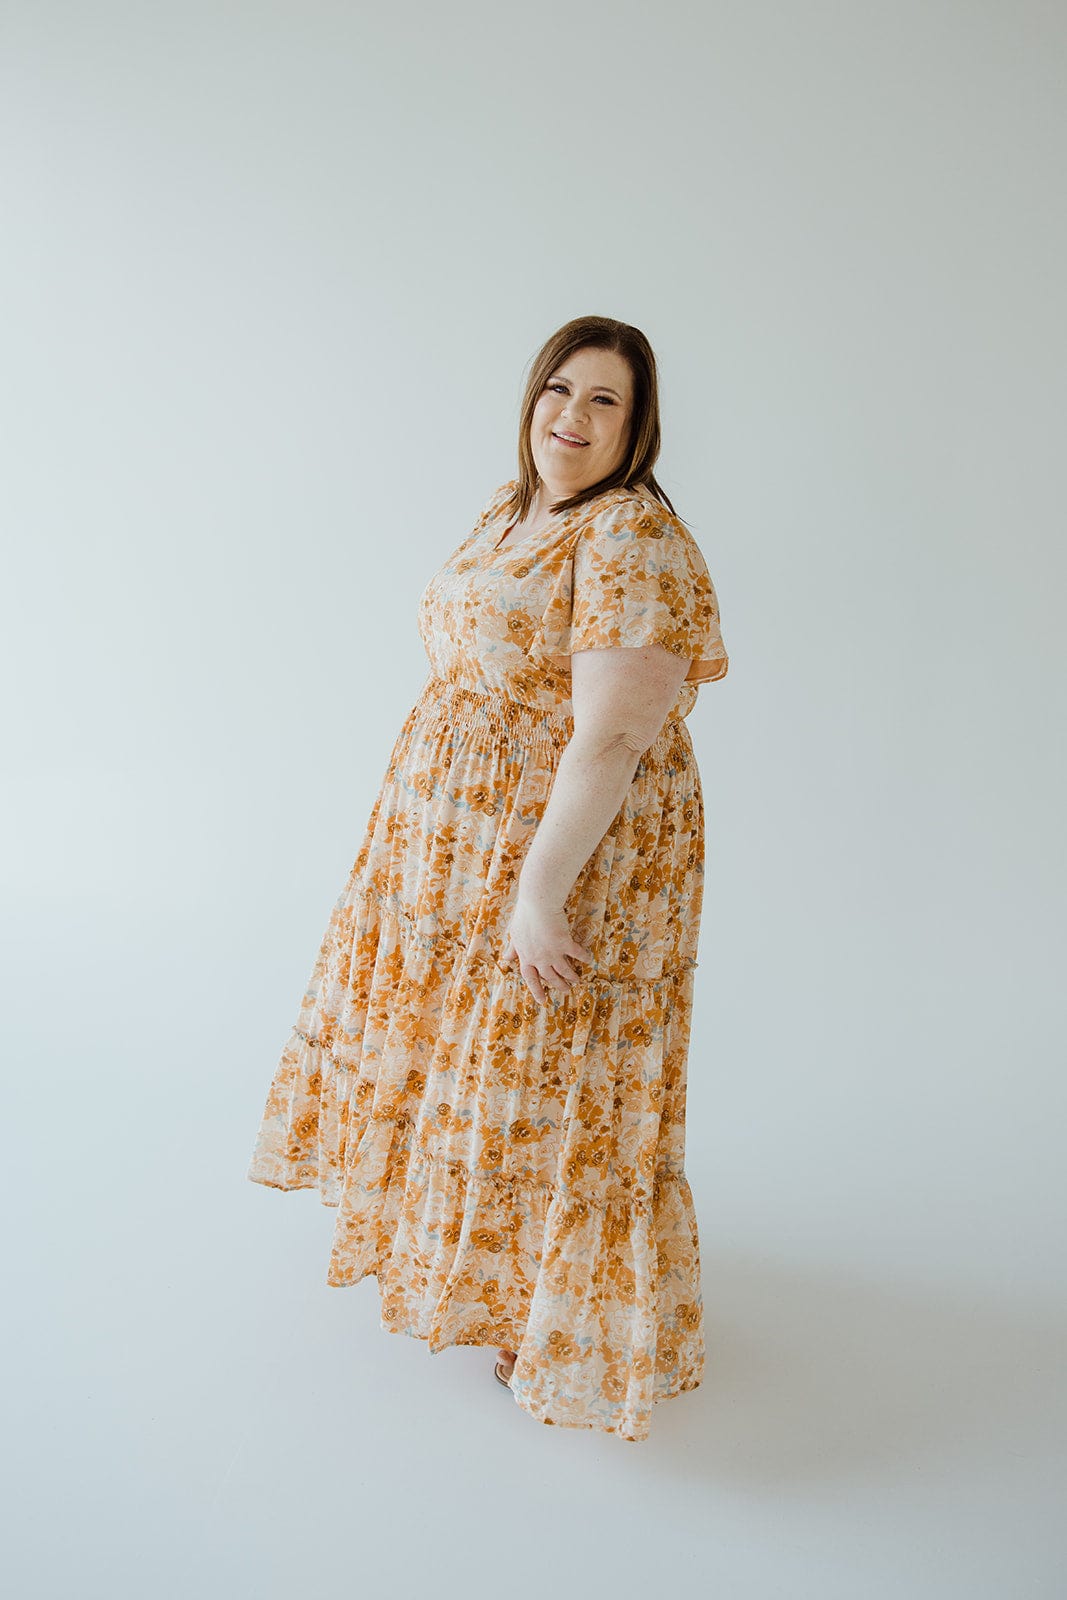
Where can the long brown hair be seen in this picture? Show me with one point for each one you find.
(643, 445)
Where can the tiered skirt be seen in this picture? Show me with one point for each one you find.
(511, 1172)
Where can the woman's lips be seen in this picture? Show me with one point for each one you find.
(571, 444)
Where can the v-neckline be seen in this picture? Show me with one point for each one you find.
(527, 538)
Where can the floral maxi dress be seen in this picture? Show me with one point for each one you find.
(513, 1172)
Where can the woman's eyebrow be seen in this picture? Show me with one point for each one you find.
(595, 386)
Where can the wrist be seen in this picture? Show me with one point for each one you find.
(533, 892)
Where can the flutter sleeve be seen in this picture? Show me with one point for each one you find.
(636, 576)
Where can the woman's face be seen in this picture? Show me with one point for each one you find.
(589, 397)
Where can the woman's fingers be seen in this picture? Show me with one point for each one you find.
(557, 974)
(566, 971)
(533, 981)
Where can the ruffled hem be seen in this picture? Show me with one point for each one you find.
(599, 1293)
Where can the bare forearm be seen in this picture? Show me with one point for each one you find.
(588, 790)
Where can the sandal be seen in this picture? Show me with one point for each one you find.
(499, 1375)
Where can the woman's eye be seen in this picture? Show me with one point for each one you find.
(561, 388)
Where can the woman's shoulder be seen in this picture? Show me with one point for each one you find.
(632, 534)
(633, 512)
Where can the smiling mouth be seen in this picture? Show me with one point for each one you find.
(573, 441)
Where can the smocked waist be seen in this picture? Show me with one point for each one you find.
(495, 713)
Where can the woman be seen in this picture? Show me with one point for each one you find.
(487, 1075)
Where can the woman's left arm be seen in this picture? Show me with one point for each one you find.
(620, 699)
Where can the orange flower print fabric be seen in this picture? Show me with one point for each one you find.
(636, 577)
(513, 1173)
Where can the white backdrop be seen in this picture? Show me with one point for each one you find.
(271, 277)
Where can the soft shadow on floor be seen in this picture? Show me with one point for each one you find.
(816, 1374)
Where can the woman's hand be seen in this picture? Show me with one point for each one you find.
(539, 942)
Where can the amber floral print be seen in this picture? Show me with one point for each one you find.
(513, 1174)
